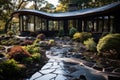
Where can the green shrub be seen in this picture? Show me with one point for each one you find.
(26, 42)
(18, 53)
(35, 54)
(27, 60)
(90, 44)
(10, 41)
(2, 47)
(36, 57)
(72, 31)
(4, 42)
(61, 33)
(83, 36)
(77, 36)
(10, 70)
(10, 33)
(32, 49)
(51, 42)
(41, 36)
(36, 41)
(108, 43)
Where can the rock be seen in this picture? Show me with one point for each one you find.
(97, 67)
(117, 70)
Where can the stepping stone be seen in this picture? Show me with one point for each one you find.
(61, 77)
(61, 72)
(61, 63)
(46, 67)
(47, 77)
(56, 67)
(52, 60)
(49, 64)
(47, 71)
(55, 63)
(77, 73)
(36, 75)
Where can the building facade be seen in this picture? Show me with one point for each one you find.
(95, 20)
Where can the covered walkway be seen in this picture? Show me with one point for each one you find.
(96, 20)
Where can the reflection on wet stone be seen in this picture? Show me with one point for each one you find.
(46, 67)
(60, 71)
(36, 75)
(47, 71)
(61, 77)
(47, 77)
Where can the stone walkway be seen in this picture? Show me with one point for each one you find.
(67, 63)
(63, 67)
(66, 69)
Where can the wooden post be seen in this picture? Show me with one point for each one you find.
(34, 24)
(97, 24)
(116, 24)
(85, 25)
(65, 27)
(47, 24)
(79, 27)
(22, 23)
(108, 24)
(103, 23)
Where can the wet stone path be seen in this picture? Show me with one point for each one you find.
(63, 66)
(61, 70)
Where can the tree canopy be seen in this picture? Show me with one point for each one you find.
(82, 4)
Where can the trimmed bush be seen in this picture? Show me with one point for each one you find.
(51, 42)
(72, 31)
(35, 54)
(83, 36)
(90, 44)
(10, 33)
(77, 36)
(61, 33)
(110, 43)
(18, 53)
(10, 70)
(10, 41)
(2, 47)
(36, 57)
(26, 42)
(41, 36)
(32, 49)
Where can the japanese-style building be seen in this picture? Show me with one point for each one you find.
(95, 20)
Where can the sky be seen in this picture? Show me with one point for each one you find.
(54, 2)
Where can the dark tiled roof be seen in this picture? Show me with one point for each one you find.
(80, 13)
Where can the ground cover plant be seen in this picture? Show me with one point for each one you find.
(22, 60)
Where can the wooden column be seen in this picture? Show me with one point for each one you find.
(93, 26)
(65, 27)
(47, 24)
(74, 22)
(116, 23)
(34, 23)
(108, 24)
(79, 27)
(97, 24)
(59, 25)
(22, 23)
(102, 23)
(85, 25)
(41, 23)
